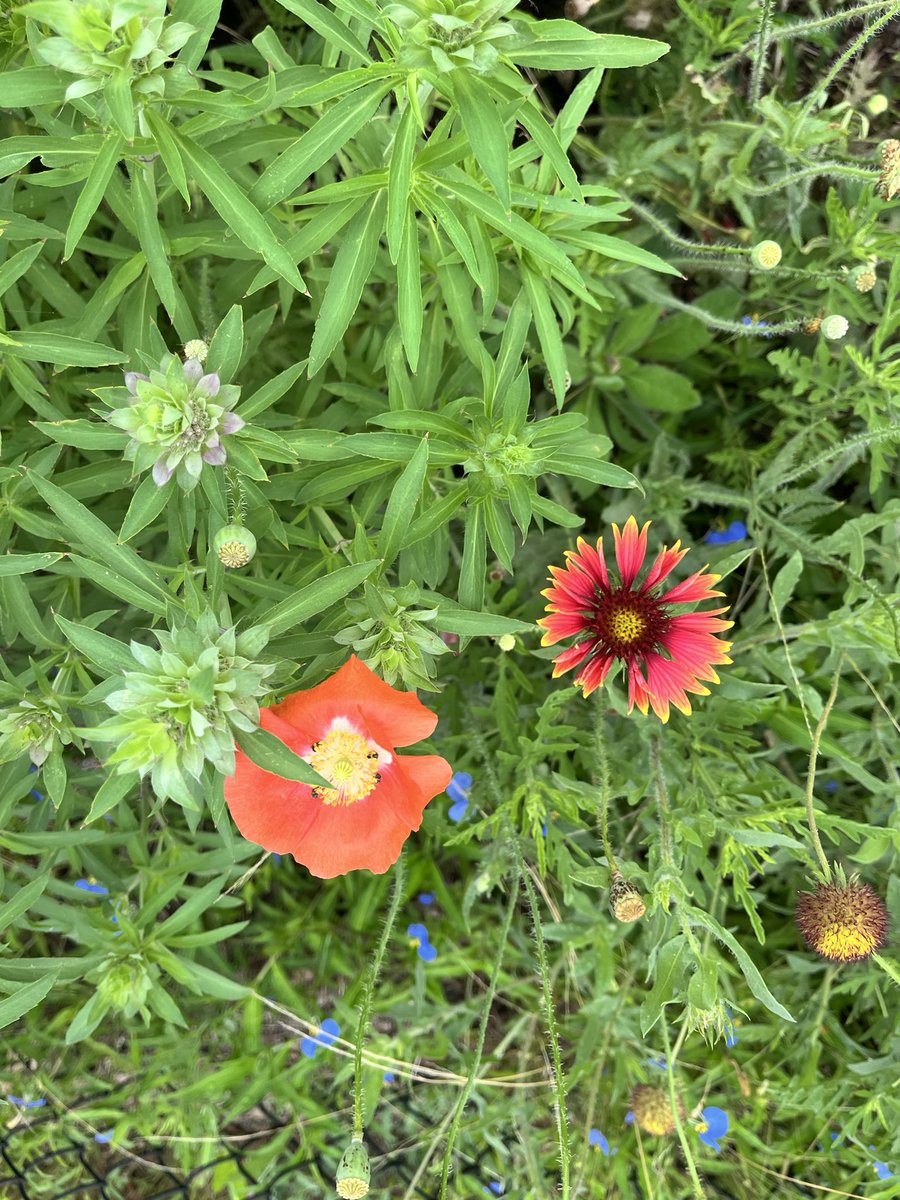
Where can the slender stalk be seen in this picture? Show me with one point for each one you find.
(365, 1009)
(811, 775)
(482, 1032)
(840, 62)
(763, 34)
(679, 1124)
(889, 967)
(602, 779)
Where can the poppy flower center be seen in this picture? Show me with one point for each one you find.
(349, 762)
(628, 624)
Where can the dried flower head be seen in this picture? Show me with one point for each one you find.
(843, 922)
(864, 279)
(652, 1109)
(625, 899)
(812, 325)
(889, 179)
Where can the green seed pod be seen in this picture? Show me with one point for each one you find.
(765, 255)
(834, 327)
(352, 1178)
(506, 642)
(864, 278)
(234, 545)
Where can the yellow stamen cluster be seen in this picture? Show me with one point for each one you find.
(349, 762)
(234, 554)
(627, 625)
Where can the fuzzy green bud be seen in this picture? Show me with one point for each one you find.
(765, 255)
(877, 104)
(834, 327)
(234, 545)
(354, 1171)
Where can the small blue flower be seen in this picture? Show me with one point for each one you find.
(389, 1077)
(425, 898)
(328, 1031)
(458, 791)
(544, 829)
(104, 1138)
(882, 1170)
(495, 1188)
(713, 1125)
(629, 1118)
(22, 1103)
(91, 885)
(736, 532)
(596, 1138)
(755, 323)
(658, 1062)
(831, 785)
(37, 795)
(731, 1038)
(418, 937)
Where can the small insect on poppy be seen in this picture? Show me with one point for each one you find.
(347, 729)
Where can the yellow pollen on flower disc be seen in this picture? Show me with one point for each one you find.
(348, 761)
(627, 625)
(845, 941)
(234, 554)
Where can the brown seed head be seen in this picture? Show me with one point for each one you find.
(652, 1109)
(625, 900)
(843, 923)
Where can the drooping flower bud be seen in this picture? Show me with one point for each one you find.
(652, 1109)
(843, 922)
(352, 1178)
(889, 179)
(196, 348)
(834, 327)
(234, 545)
(765, 255)
(625, 900)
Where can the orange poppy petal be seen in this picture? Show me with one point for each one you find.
(392, 718)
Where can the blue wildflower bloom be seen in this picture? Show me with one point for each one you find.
(104, 1138)
(629, 1118)
(658, 1062)
(736, 532)
(389, 1077)
(713, 1125)
(425, 898)
(544, 829)
(831, 785)
(418, 937)
(328, 1031)
(596, 1138)
(755, 323)
(91, 885)
(882, 1170)
(495, 1187)
(731, 1038)
(20, 1102)
(458, 791)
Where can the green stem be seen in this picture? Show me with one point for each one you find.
(602, 780)
(834, 169)
(889, 967)
(482, 1033)
(365, 1010)
(679, 1124)
(763, 34)
(853, 49)
(811, 775)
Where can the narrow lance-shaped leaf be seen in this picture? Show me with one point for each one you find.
(402, 503)
(481, 119)
(270, 753)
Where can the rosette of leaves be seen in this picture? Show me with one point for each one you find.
(177, 417)
(445, 35)
(114, 46)
(37, 725)
(178, 711)
(392, 636)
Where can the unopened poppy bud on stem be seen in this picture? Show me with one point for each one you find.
(352, 1178)
(234, 545)
(625, 900)
(766, 255)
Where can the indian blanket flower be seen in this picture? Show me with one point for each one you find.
(713, 1125)
(418, 937)
(347, 729)
(176, 418)
(844, 922)
(324, 1036)
(666, 654)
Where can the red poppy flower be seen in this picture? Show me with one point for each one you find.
(666, 654)
(347, 729)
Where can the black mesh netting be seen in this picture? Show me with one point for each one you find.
(43, 1156)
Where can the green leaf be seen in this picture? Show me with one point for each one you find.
(352, 266)
(112, 790)
(585, 466)
(227, 346)
(85, 435)
(669, 970)
(93, 191)
(24, 999)
(39, 346)
(167, 146)
(532, 119)
(660, 389)
(477, 624)
(22, 900)
(472, 570)
(548, 331)
(86, 1019)
(270, 753)
(755, 981)
(271, 391)
(319, 144)
(329, 25)
(105, 652)
(399, 188)
(315, 597)
(477, 107)
(150, 235)
(410, 308)
(241, 216)
(785, 581)
(18, 265)
(567, 46)
(203, 900)
(403, 499)
(26, 564)
(146, 504)
(29, 87)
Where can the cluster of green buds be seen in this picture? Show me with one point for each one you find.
(445, 34)
(123, 983)
(392, 636)
(181, 706)
(118, 47)
(177, 418)
(37, 725)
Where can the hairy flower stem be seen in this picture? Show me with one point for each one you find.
(841, 61)
(763, 34)
(601, 778)
(676, 1114)
(365, 1008)
(811, 776)
(889, 967)
(482, 1033)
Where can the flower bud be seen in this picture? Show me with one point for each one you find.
(864, 278)
(765, 255)
(652, 1109)
(843, 922)
(234, 545)
(506, 642)
(889, 178)
(812, 325)
(196, 349)
(124, 985)
(834, 327)
(625, 900)
(352, 1178)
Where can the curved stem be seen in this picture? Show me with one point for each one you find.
(763, 34)
(679, 1124)
(811, 775)
(854, 48)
